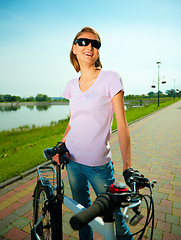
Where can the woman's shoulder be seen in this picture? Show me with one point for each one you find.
(110, 73)
(72, 82)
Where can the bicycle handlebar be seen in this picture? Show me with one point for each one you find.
(100, 206)
(106, 203)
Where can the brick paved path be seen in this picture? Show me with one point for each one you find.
(156, 152)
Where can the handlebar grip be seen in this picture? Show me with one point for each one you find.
(99, 207)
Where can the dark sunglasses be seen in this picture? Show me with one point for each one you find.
(85, 42)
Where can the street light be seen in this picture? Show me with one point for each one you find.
(159, 63)
(174, 89)
(163, 82)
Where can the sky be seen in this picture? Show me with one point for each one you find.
(36, 37)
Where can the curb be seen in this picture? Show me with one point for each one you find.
(21, 176)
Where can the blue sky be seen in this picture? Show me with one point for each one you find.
(36, 37)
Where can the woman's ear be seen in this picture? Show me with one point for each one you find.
(74, 49)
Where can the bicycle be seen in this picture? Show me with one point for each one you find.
(49, 196)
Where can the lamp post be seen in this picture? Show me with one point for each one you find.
(153, 86)
(159, 63)
(174, 89)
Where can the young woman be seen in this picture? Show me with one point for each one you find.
(94, 97)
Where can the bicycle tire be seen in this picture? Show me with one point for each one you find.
(47, 228)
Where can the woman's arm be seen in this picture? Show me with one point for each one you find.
(66, 132)
(122, 129)
(56, 157)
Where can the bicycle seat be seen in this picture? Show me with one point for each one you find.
(46, 153)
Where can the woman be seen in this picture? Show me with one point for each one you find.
(94, 97)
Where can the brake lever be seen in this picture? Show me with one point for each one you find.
(132, 205)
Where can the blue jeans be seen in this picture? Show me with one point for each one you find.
(79, 178)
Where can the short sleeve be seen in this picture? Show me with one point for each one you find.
(67, 94)
(116, 84)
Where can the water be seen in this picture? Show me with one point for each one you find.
(16, 116)
(38, 115)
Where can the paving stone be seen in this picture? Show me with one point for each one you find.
(13, 199)
(5, 230)
(177, 188)
(167, 186)
(24, 209)
(5, 212)
(3, 224)
(16, 205)
(160, 195)
(27, 228)
(178, 193)
(66, 216)
(21, 222)
(26, 198)
(166, 203)
(5, 204)
(67, 229)
(176, 205)
(175, 183)
(157, 234)
(28, 238)
(176, 229)
(174, 198)
(170, 236)
(176, 212)
(167, 191)
(10, 218)
(172, 219)
(163, 226)
(72, 238)
(14, 232)
(12, 186)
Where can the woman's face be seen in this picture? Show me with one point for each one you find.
(86, 54)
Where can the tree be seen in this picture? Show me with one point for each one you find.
(1, 98)
(170, 93)
(152, 94)
(7, 98)
(30, 99)
(43, 98)
(15, 99)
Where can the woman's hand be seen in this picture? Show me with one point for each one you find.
(56, 158)
(59, 150)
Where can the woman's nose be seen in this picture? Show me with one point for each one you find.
(90, 46)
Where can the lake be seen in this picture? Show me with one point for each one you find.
(13, 116)
(38, 114)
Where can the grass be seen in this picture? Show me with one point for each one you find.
(21, 150)
(133, 114)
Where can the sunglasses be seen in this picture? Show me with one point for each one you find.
(85, 42)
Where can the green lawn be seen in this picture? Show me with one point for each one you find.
(22, 150)
(133, 114)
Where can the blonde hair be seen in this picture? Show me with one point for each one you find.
(73, 58)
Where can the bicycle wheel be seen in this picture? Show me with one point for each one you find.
(42, 195)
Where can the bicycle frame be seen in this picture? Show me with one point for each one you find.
(106, 229)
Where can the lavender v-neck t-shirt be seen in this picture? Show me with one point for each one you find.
(91, 118)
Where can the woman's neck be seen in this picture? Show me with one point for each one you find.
(89, 74)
